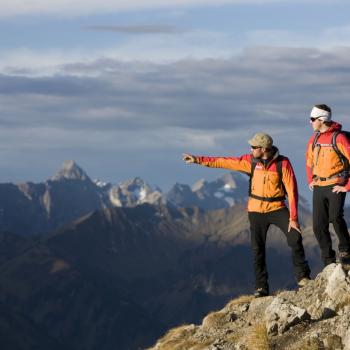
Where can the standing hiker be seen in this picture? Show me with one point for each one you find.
(327, 168)
(271, 179)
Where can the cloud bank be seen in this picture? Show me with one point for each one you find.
(139, 116)
(138, 29)
(89, 7)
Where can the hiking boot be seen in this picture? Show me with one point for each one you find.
(303, 282)
(344, 258)
(261, 292)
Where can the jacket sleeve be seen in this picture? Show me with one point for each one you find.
(347, 185)
(344, 147)
(290, 184)
(309, 159)
(242, 163)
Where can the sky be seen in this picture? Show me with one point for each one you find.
(125, 87)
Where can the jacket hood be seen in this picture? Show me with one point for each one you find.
(275, 152)
(334, 127)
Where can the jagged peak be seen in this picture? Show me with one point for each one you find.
(102, 184)
(180, 187)
(232, 179)
(138, 183)
(70, 170)
(229, 179)
(199, 184)
(134, 181)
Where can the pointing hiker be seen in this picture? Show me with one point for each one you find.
(327, 168)
(271, 180)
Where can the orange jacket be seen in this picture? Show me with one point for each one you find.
(323, 161)
(265, 181)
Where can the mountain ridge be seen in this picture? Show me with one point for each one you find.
(158, 263)
(29, 208)
(163, 265)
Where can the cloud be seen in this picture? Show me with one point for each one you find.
(138, 29)
(27, 62)
(157, 48)
(150, 112)
(163, 45)
(89, 7)
(339, 36)
(328, 37)
(264, 86)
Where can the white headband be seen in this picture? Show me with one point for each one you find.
(321, 114)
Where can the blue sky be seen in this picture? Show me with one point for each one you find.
(124, 88)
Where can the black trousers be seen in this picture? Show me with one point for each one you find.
(259, 224)
(328, 207)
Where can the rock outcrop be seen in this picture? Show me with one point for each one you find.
(314, 317)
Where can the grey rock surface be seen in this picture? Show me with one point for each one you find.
(281, 314)
(316, 316)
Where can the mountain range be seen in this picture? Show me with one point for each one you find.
(116, 273)
(29, 208)
(123, 276)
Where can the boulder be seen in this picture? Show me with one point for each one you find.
(338, 285)
(280, 315)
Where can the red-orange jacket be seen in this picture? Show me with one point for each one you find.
(265, 181)
(323, 161)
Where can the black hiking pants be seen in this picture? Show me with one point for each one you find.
(328, 207)
(259, 224)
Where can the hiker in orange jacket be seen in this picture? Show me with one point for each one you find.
(271, 179)
(327, 169)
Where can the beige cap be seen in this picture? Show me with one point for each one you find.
(261, 140)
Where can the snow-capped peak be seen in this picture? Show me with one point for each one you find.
(133, 192)
(101, 184)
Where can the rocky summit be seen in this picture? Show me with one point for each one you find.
(314, 317)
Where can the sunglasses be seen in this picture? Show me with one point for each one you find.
(313, 119)
(255, 147)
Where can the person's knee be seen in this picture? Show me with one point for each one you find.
(336, 218)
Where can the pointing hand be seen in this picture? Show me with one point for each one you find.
(188, 158)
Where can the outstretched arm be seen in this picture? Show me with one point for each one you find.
(242, 163)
